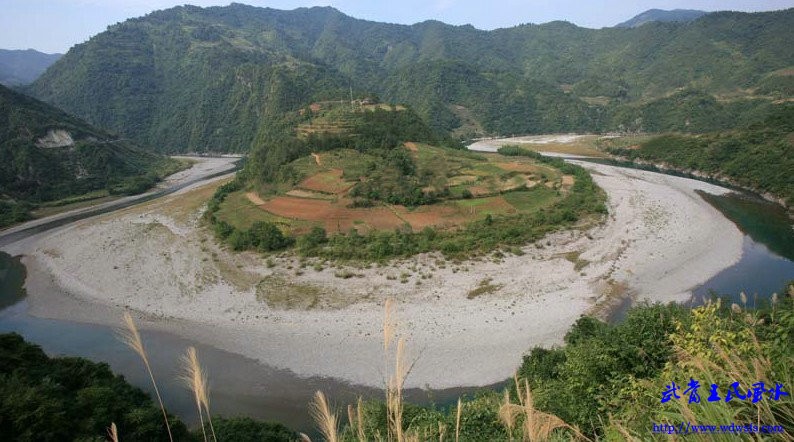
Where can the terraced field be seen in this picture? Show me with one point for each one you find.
(470, 187)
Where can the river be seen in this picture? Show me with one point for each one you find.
(241, 386)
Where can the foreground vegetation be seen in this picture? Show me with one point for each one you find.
(760, 157)
(37, 169)
(605, 382)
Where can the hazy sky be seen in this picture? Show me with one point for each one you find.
(56, 25)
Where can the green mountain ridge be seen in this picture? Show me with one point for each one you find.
(190, 78)
(48, 155)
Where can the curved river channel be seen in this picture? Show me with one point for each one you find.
(241, 386)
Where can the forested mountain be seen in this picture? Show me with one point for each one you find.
(18, 67)
(660, 15)
(191, 78)
(47, 155)
(760, 157)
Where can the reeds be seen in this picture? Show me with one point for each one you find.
(355, 418)
(395, 378)
(196, 380)
(130, 336)
(537, 425)
(325, 419)
(394, 382)
(113, 432)
(394, 393)
(457, 420)
(508, 415)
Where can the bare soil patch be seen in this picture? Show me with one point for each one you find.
(442, 216)
(327, 182)
(334, 216)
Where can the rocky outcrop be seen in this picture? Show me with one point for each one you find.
(55, 138)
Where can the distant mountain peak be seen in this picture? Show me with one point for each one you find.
(23, 66)
(661, 15)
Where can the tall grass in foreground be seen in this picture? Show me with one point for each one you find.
(130, 336)
(537, 425)
(531, 424)
(113, 432)
(196, 380)
(325, 418)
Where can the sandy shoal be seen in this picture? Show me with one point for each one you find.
(660, 240)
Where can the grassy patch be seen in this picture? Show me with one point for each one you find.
(476, 202)
(484, 288)
(279, 293)
(578, 263)
(532, 200)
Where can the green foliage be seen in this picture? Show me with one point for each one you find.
(262, 236)
(218, 79)
(12, 212)
(377, 132)
(315, 238)
(577, 382)
(760, 156)
(243, 429)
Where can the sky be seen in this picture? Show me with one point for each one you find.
(56, 25)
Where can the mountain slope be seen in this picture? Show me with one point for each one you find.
(191, 78)
(47, 155)
(19, 67)
(760, 157)
(660, 15)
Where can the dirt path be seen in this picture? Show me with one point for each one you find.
(254, 198)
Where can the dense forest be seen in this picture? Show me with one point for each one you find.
(218, 78)
(760, 157)
(47, 156)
